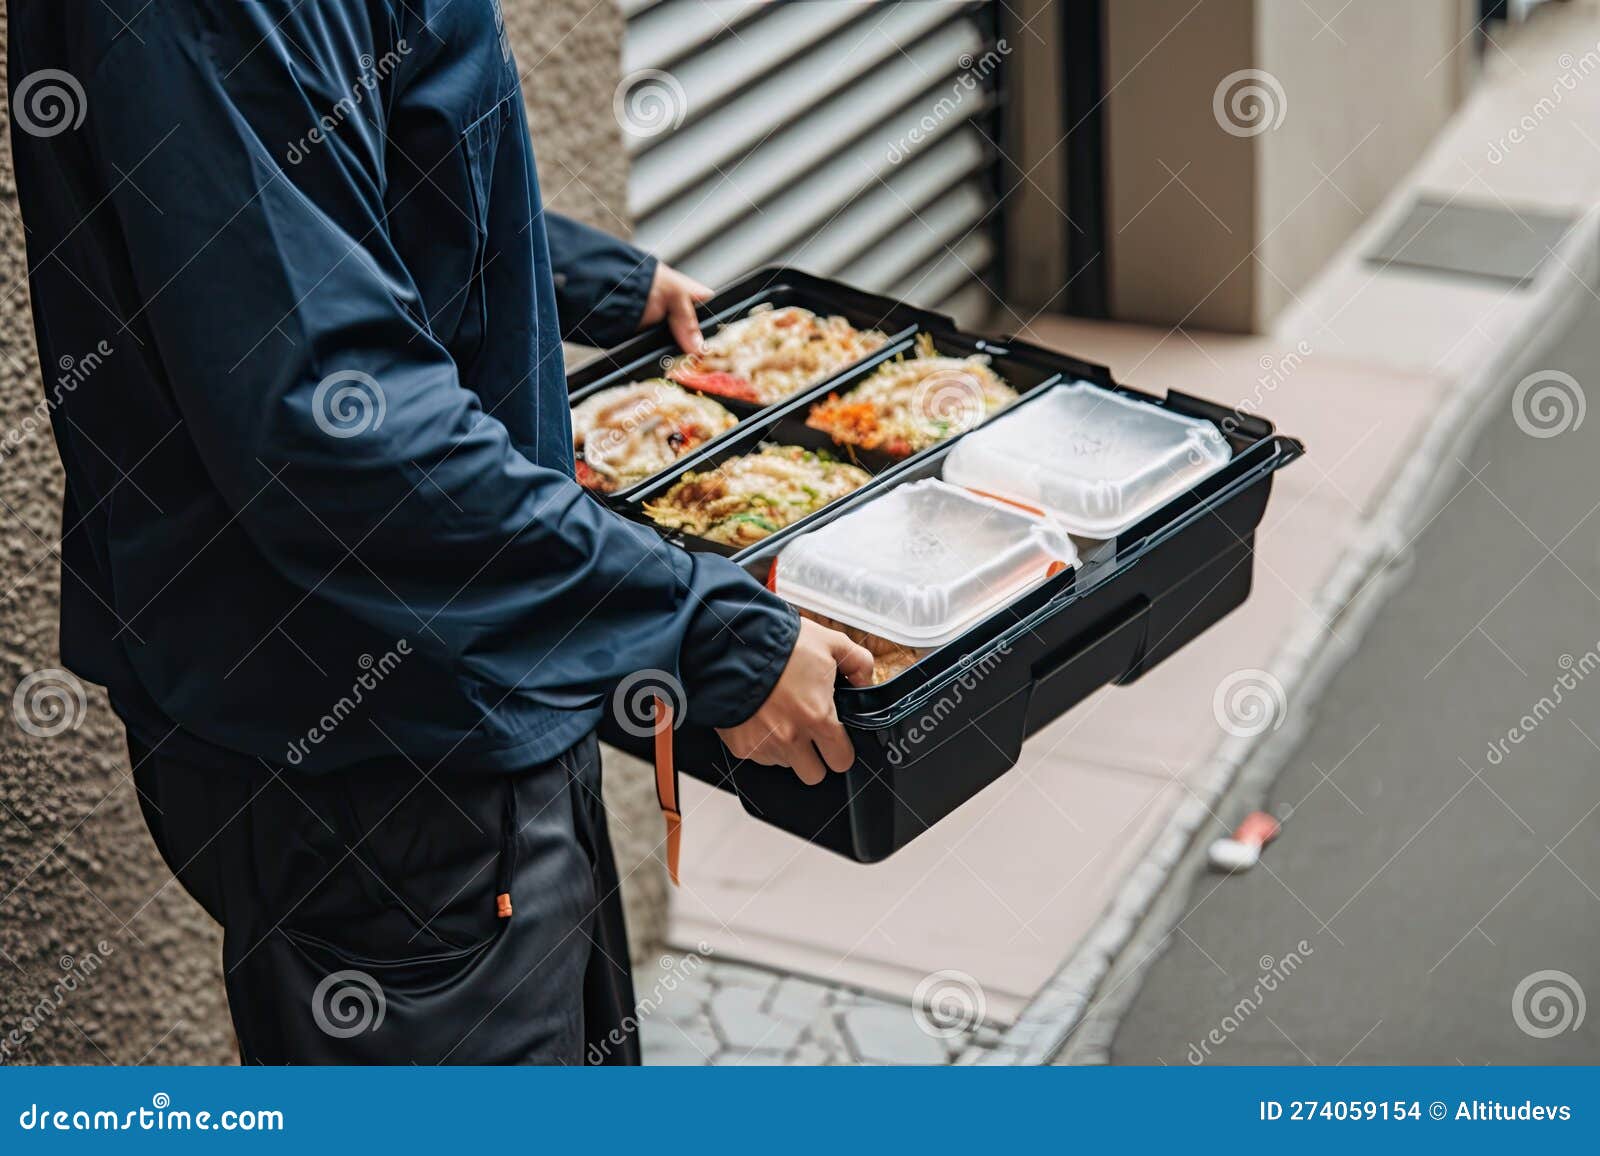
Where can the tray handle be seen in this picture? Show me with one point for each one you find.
(1108, 651)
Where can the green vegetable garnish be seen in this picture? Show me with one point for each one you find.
(755, 520)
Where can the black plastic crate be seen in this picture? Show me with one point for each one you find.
(930, 738)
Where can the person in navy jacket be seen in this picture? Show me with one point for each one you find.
(321, 539)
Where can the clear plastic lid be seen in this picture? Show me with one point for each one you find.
(921, 563)
(1095, 460)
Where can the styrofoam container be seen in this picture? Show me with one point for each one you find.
(921, 563)
(1096, 461)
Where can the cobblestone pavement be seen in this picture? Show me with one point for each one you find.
(694, 1010)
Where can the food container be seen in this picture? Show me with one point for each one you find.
(937, 733)
(650, 354)
(752, 496)
(1027, 371)
(921, 564)
(913, 403)
(1094, 459)
(626, 434)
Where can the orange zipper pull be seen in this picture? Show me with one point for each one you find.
(667, 786)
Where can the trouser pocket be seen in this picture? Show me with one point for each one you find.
(361, 917)
(392, 866)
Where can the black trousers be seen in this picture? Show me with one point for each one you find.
(361, 910)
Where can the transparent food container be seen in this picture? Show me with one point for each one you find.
(921, 563)
(1095, 460)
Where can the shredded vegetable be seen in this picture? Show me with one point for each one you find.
(912, 403)
(747, 498)
(622, 435)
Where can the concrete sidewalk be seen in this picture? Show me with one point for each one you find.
(1379, 371)
(1442, 847)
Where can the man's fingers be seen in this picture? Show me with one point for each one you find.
(805, 763)
(768, 752)
(835, 746)
(855, 661)
(683, 323)
(698, 291)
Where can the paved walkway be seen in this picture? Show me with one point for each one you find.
(725, 1013)
(1379, 370)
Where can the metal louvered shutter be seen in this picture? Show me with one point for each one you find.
(853, 139)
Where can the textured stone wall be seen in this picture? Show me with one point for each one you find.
(102, 957)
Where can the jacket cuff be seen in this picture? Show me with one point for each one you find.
(616, 315)
(601, 282)
(736, 648)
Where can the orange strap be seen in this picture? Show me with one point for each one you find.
(667, 786)
(1035, 510)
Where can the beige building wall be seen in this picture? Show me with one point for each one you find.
(1361, 111)
(1215, 229)
(1180, 193)
(1036, 227)
(103, 958)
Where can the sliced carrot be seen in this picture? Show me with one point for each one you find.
(1008, 501)
(850, 422)
(715, 381)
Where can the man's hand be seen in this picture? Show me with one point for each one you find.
(798, 718)
(673, 297)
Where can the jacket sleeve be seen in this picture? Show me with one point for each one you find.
(283, 317)
(601, 282)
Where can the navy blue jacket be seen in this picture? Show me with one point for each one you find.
(300, 312)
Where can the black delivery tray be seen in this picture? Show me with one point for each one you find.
(929, 739)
